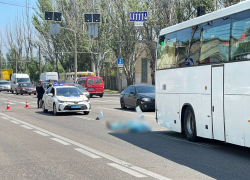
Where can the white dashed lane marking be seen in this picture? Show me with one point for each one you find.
(87, 153)
(127, 170)
(4, 117)
(60, 141)
(15, 122)
(41, 133)
(27, 127)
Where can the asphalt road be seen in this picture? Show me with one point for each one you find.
(37, 145)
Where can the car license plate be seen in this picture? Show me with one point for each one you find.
(76, 106)
(29, 91)
(91, 88)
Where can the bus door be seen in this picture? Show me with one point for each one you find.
(218, 102)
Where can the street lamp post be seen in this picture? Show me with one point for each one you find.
(75, 52)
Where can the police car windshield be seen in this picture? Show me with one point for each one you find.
(68, 91)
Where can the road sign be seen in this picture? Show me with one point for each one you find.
(54, 29)
(93, 30)
(189, 62)
(138, 24)
(120, 62)
(138, 16)
(121, 70)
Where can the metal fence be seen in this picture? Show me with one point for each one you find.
(110, 82)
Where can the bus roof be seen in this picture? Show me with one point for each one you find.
(242, 6)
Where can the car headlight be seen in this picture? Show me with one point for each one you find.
(61, 101)
(86, 101)
(146, 99)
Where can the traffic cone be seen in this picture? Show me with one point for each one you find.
(27, 104)
(8, 106)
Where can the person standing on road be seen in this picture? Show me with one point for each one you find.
(40, 91)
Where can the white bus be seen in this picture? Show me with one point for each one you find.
(203, 76)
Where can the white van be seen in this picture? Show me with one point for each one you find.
(17, 78)
(53, 76)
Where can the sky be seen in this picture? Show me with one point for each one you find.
(9, 10)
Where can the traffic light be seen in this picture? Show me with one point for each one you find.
(96, 17)
(57, 16)
(48, 15)
(87, 17)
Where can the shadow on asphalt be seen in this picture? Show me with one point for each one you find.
(216, 159)
(50, 113)
(132, 110)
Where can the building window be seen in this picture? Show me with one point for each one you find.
(144, 70)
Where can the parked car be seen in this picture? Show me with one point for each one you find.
(84, 91)
(5, 86)
(93, 84)
(25, 88)
(138, 95)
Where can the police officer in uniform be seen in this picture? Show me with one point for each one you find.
(40, 91)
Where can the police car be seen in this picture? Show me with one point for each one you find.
(61, 98)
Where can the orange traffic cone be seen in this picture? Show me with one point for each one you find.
(27, 104)
(8, 106)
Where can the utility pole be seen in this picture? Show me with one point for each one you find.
(16, 61)
(75, 60)
(120, 74)
(40, 67)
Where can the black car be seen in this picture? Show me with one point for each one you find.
(138, 95)
(84, 91)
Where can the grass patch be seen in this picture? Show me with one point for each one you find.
(110, 91)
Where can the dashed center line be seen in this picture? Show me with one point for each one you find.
(87, 153)
(15, 122)
(41, 133)
(27, 127)
(60, 141)
(127, 170)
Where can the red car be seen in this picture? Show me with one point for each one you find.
(25, 88)
(93, 84)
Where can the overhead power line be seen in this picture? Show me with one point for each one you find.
(16, 5)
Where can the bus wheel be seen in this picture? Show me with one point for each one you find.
(189, 125)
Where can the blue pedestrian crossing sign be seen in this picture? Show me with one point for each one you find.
(189, 62)
(120, 62)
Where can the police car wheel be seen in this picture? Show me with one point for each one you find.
(43, 106)
(85, 112)
(55, 110)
